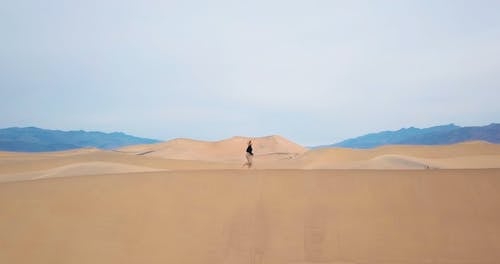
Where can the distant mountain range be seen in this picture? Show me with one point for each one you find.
(32, 139)
(438, 135)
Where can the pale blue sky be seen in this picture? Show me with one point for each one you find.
(315, 72)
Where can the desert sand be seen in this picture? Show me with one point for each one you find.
(188, 201)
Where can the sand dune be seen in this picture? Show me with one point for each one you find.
(77, 169)
(27, 166)
(254, 217)
(275, 152)
(395, 162)
(272, 152)
(187, 201)
(457, 156)
(229, 150)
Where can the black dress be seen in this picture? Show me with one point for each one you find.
(249, 150)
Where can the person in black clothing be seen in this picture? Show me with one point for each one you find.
(249, 155)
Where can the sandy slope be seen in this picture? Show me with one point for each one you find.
(254, 216)
(228, 150)
(77, 169)
(272, 152)
(186, 201)
(275, 152)
(458, 156)
(25, 166)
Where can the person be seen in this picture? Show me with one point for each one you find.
(249, 155)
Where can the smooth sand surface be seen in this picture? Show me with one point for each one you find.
(254, 216)
(187, 201)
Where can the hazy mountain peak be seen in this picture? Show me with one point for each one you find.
(437, 135)
(34, 139)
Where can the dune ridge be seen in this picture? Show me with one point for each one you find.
(275, 152)
(224, 150)
(476, 154)
(272, 152)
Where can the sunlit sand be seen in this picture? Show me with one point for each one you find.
(187, 201)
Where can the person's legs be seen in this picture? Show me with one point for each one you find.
(249, 159)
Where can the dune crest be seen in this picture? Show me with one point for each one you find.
(271, 152)
(78, 169)
(228, 150)
(476, 154)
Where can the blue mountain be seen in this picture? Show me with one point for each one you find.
(438, 135)
(33, 139)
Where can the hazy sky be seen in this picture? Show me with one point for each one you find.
(315, 72)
